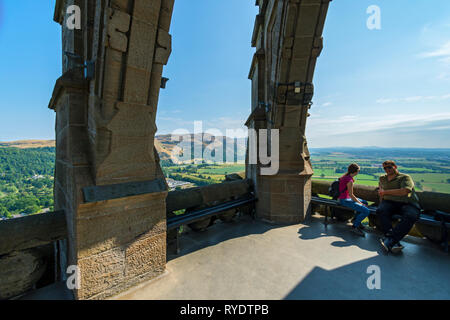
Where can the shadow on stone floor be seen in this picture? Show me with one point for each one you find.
(419, 272)
(342, 230)
(399, 279)
(239, 227)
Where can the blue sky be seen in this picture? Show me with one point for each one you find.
(388, 87)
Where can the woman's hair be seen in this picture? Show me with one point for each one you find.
(353, 168)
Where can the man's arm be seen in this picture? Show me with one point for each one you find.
(395, 192)
(407, 187)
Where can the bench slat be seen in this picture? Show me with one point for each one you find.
(177, 221)
(424, 219)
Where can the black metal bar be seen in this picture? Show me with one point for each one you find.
(178, 241)
(182, 219)
(332, 203)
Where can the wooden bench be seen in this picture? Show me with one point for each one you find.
(425, 218)
(175, 222)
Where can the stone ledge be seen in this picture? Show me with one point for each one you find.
(122, 190)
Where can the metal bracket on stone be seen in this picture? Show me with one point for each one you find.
(88, 66)
(122, 190)
(163, 82)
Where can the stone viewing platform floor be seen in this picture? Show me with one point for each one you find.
(249, 259)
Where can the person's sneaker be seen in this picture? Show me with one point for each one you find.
(396, 248)
(358, 231)
(386, 244)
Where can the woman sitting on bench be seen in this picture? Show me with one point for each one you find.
(348, 199)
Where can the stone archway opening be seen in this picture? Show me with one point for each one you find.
(208, 83)
(108, 179)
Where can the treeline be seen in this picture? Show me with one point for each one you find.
(26, 180)
(403, 168)
(199, 181)
(19, 163)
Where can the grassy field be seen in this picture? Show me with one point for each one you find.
(429, 170)
(222, 169)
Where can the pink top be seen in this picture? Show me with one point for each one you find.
(342, 186)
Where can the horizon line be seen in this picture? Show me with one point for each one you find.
(310, 148)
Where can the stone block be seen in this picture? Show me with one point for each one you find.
(78, 145)
(136, 86)
(296, 186)
(302, 46)
(117, 222)
(292, 116)
(155, 85)
(118, 25)
(298, 68)
(122, 5)
(132, 120)
(277, 186)
(62, 145)
(147, 254)
(100, 272)
(215, 192)
(112, 75)
(19, 272)
(77, 109)
(164, 48)
(165, 18)
(147, 11)
(307, 20)
(291, 19)
(142, 45)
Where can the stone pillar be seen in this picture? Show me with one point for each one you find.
(288, 40)
(108, 178)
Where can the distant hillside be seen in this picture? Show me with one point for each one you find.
(27, 144)
(164, 145)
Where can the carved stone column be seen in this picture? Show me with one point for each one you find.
(108, 178)
(288, 40)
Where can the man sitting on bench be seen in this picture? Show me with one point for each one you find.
(397, 196)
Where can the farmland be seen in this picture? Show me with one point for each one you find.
(26, 174)
(429, 168)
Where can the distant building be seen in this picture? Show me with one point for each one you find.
(173, 184)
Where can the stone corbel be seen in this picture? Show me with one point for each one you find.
(118, 25)
(164, 48)
(317, 47)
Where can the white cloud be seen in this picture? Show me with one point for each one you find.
(443, 51)
(413, 99)
(442, 54)
(383, 101)
(354, 125)
(402, 130)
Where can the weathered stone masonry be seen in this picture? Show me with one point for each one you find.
(288, 39)
(106, 103)
(105, 131)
